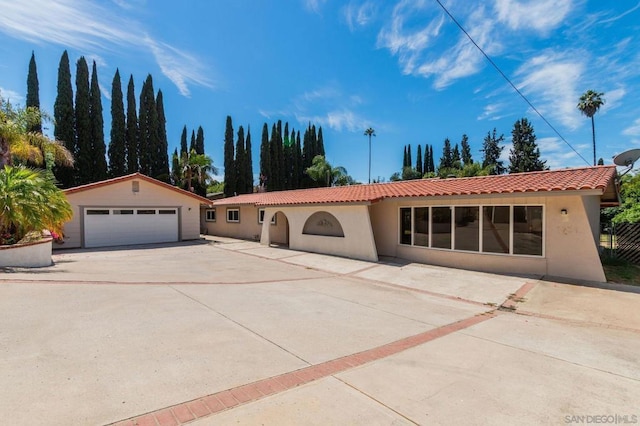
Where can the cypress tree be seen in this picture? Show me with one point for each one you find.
(299, 172)
(419, 161)
(432, 166)
(64, 117)
(161, 166)
(148, 125)
(320, 144)
(200, 141)
(425, 166)
(33, 92)
(265, 163)
(248, 163)
(280, 161)
(176, 170)
(132, 132)
(229, 167)
(409, 162)
(404, 157)
(184, 150)
(492, 150)
(240, 163)
(455, 157)
(446, 161)
(525, 154)
(274, 171)
(98, 147)
(192, 145)
(84, 156)
(117, 144)
(466, 151)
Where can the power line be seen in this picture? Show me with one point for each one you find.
(510, 83)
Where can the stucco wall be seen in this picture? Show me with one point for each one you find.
(357, 243)
(248, 228)
(120, 194)
(570, 249)
(31, 255)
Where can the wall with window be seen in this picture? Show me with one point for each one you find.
(520, 234)
(235, 221)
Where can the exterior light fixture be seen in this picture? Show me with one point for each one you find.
(564, 212)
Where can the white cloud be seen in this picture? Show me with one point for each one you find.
(359, 15)
(344, 119)
(91, 27)
(12, 96)
(539, 15)
(492, 112)
(633, 130)
(549, 81)
(612, 99)
(314, 5)
(623, 14)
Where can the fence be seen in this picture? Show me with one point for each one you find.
(623, 239)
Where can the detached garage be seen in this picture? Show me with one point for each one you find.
(132, 209)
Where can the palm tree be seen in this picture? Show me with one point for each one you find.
(590, 103)
(323, 173)
(370, 132)
(17, 142)
(30, 201)
(196, 166)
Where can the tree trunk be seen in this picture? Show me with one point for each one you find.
(5, 153)
(593, 132)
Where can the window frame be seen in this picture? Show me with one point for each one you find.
(261, 213)
(231, 210)
(481, 229)
(206, 215)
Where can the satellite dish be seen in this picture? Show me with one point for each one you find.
(627, 158)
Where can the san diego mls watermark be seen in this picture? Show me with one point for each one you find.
(612, 419)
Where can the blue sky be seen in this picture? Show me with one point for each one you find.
(401, 67)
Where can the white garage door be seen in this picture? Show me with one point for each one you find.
(108, 226)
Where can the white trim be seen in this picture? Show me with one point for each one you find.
(206, 215)
(229, 210)
(261, 213)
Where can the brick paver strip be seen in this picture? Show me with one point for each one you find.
(518, 296)
(190, 410)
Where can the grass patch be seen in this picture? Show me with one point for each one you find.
(620, 271)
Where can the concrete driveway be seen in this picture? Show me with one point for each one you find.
(231, 332)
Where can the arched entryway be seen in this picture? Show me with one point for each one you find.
(279, 230)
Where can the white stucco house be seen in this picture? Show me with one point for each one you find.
(132, 209)
(540, 223)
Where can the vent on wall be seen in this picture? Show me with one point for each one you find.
(135, 186)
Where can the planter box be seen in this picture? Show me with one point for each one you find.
(30, 255)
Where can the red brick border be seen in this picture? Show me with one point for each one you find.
(188, 411)
(517, 297)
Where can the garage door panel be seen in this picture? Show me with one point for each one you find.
(127, 226)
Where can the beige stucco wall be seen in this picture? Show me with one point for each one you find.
(31, 255)
(570, 247)
(120, 194)
(357, 243)
(248, 228)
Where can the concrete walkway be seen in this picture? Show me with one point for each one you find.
(231, 332)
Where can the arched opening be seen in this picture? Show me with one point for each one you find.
(279, 230)
(323, 223)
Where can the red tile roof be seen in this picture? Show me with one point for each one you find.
(578, 179)
(132, 177)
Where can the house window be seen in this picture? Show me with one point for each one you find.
(167, 211)
(405, 225)
(441, 229)
(515, 230)
(527, 230)
(210, 215)
(145, 212)
(421, 226)
(97, 212)
(261, 217)
(123, 211)
(467, 228)
(496, 235)
(233, 215)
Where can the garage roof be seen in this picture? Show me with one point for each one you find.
(135, 176)
(600, 178)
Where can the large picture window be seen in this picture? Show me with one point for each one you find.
(515, 230)
(441, 232)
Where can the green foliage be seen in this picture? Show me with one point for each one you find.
(33, 92)
(629, 210)
(466, 151)
(419, 162)
(248, 164)
(18, 144)
(323, 174)
(30, 201)
(446, 161)
(149, 126)
(265, 157)
(117, 144)
(590, 102)
(492, 151)
(525, 155)
(192, 171)
(84, 156)
(395, 177)
(240, 162)
(409, 173)
(160, 164)
(455, 157)
(199, 148)
(98, 148)
(132, 131)
(63, 115)
(229, 163)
